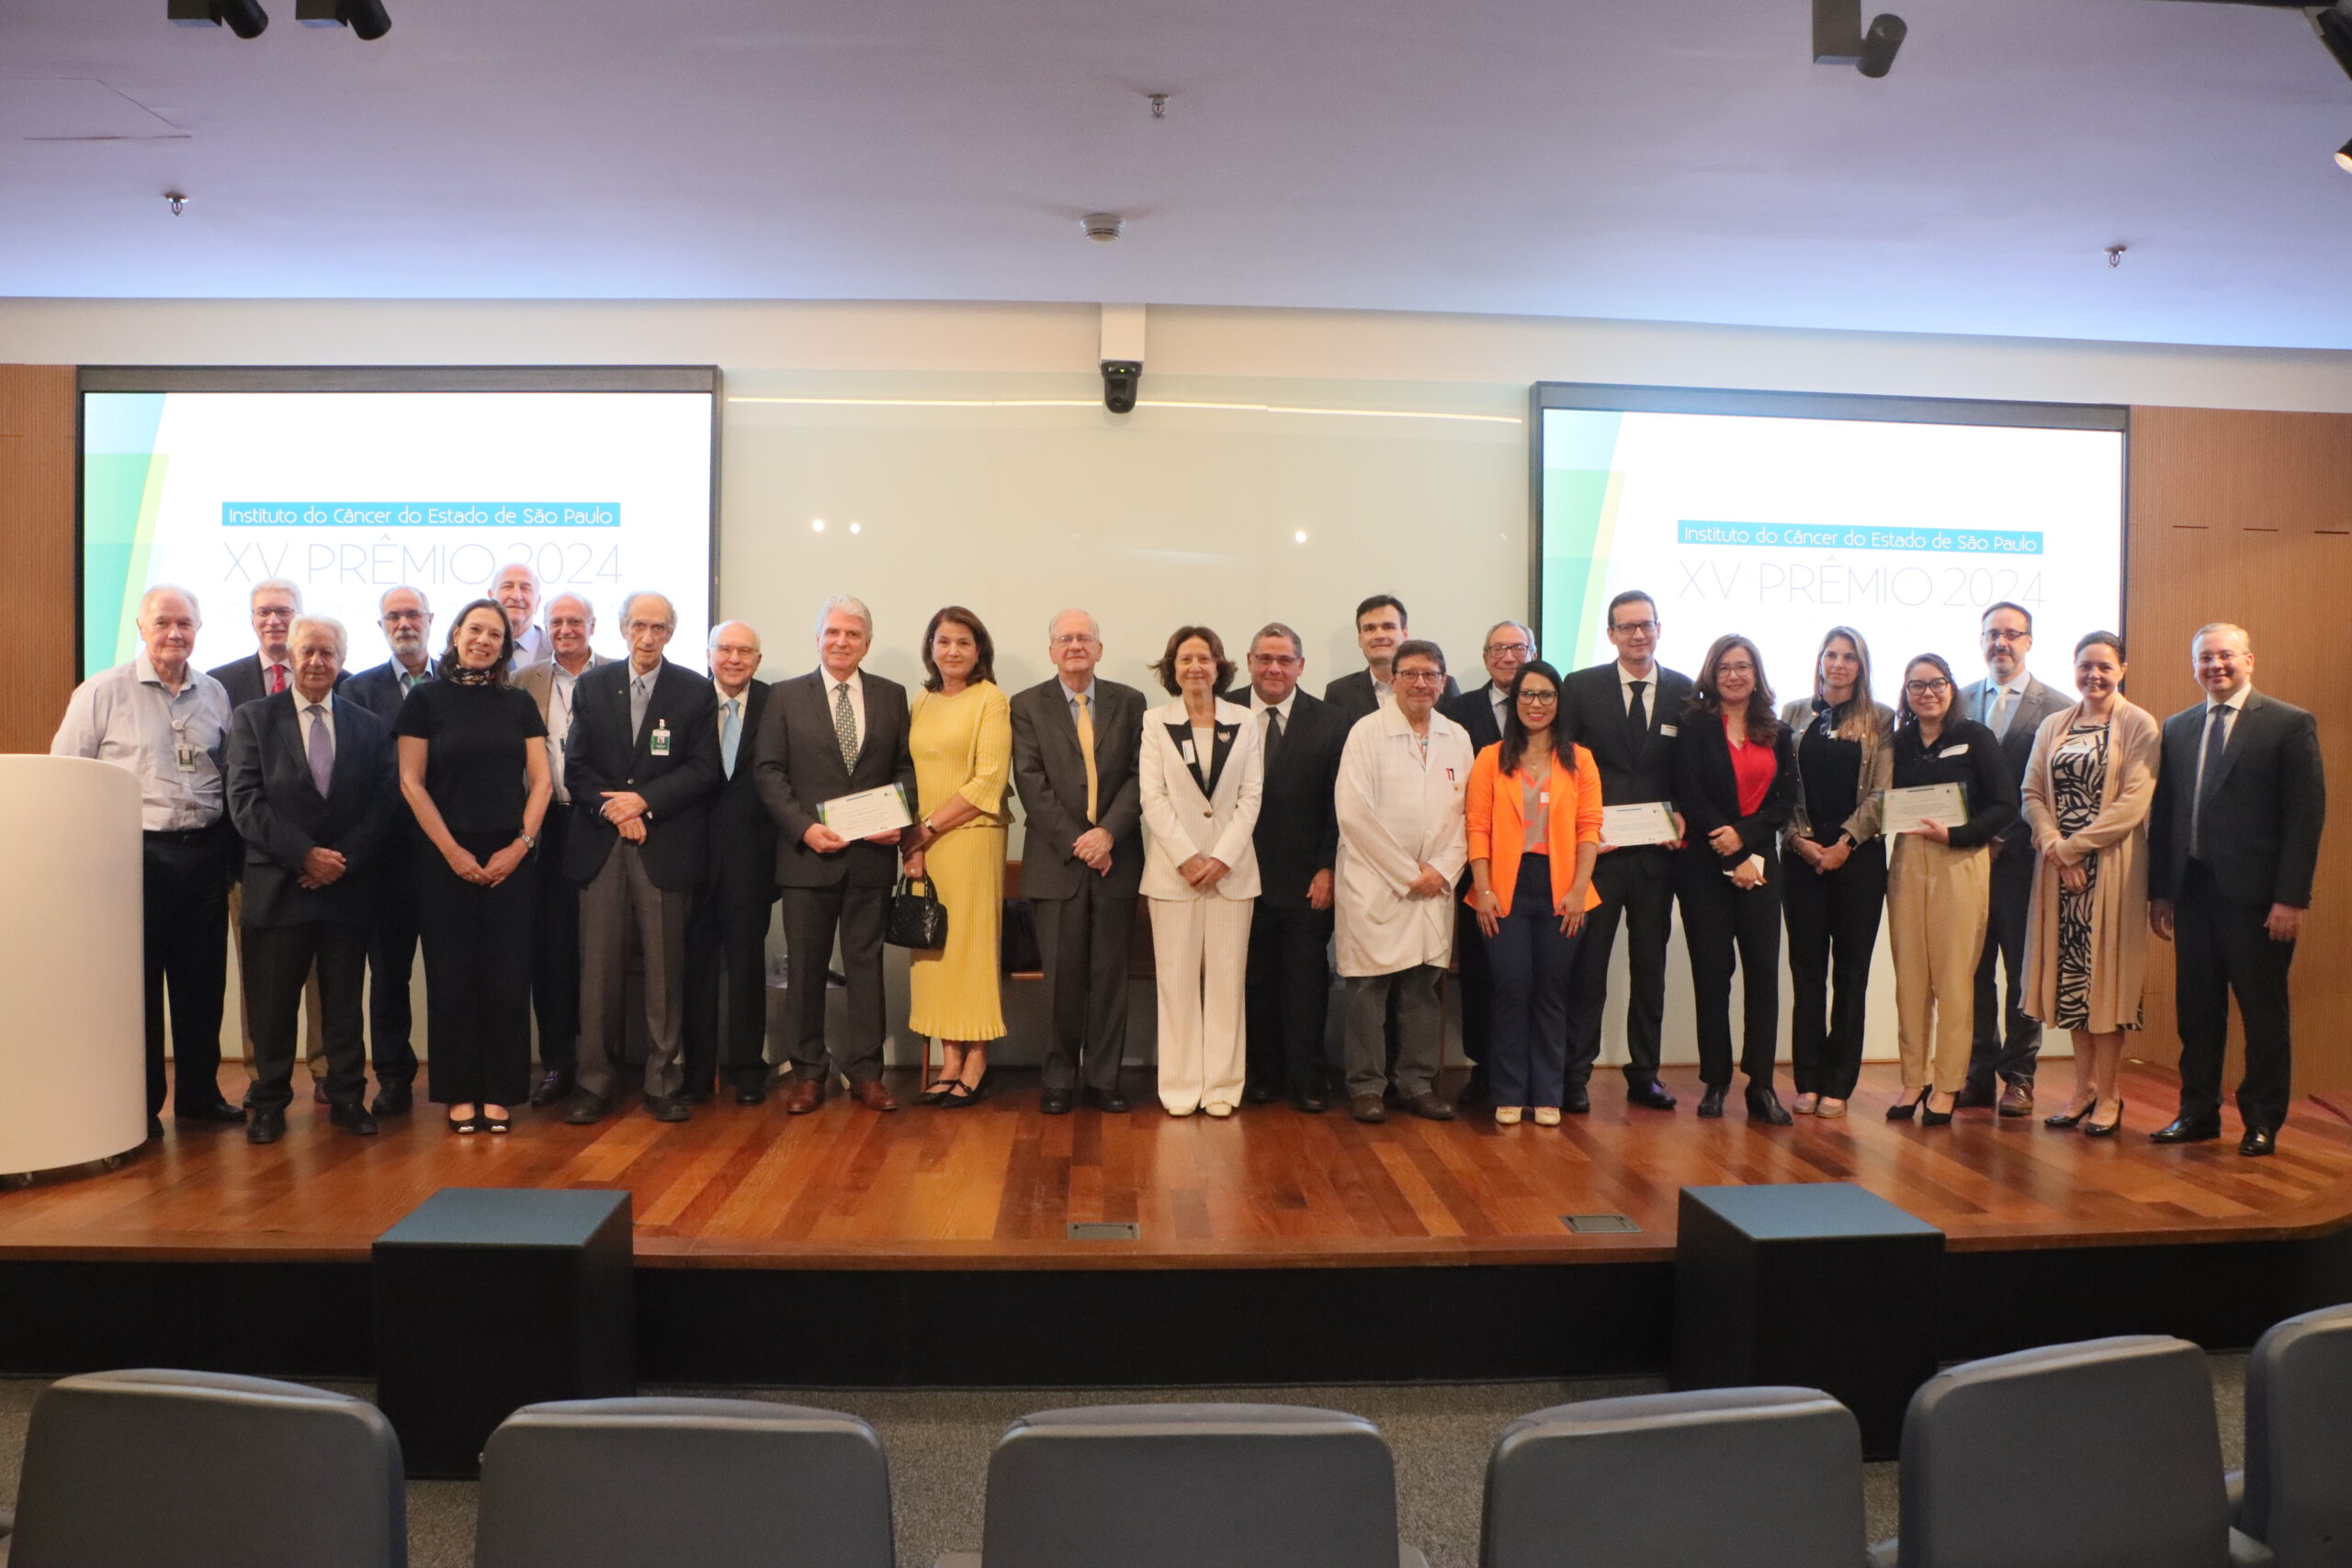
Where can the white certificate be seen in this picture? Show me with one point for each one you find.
(1644, 822)
(866, 813)
(1902, 810)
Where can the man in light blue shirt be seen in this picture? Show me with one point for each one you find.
(167, 723)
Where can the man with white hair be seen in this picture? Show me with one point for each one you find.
(832, 732)
(166, 723)
(516, 588)
(310, 785)
(728, 931)
(273, 603)
(555, 937)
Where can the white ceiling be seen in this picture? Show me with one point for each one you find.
(1677, 160)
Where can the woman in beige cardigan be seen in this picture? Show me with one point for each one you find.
(2087, 789)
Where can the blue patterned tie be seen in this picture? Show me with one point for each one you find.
(730, 734)
(321, 750)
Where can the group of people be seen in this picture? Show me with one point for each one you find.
(534, 815)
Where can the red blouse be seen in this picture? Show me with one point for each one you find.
(1754, 766)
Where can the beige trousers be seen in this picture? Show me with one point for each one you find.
(1936, 899)
(1200, 948)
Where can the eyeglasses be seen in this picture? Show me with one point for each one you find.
(1540, 699)
(1927, 688)
(2002, 634)
(735, 651)
(1073, 639)
(1496, 650)
(1430, 675)
(1635, 628)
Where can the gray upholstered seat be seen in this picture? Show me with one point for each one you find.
(1181, 1485)
(201, 1470)
(653, 1482)
(2102, 1454)
(1761, 1477)
(2298, 1488)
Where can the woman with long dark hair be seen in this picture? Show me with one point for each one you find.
(1533, 816)
(1938, 886)
(1835, 893)
(1735, 783)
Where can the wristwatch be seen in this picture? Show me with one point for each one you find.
(530, 842)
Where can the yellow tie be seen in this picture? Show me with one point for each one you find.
(1086, 750)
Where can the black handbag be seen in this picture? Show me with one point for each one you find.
(917, 919)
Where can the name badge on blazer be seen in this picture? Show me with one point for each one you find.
(1186, 749)
(659, 743)
(1669, 730)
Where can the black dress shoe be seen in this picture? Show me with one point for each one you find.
(2260, 1141)
(1057, 1101)
(1711, 1104)
(552, 1089)
(393, 1100)
(667, 1108)
(353, 1119)
(1576, 1101)
(751, 1094)
(2186, 1130)
(1651, 1096)
(1308, 1102)
(1974, 1097)
(1765, 1106)
(1109, 1099)
(1430, 1107)
(1367, 1107)
(1257, 1091)
(266, 1127)
(701, 1094)
(219, 1112)
(586, 1109)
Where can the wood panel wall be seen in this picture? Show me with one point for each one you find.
(37, 458)
(2247, 518)
(2240, 517)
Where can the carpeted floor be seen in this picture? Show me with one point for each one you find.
(939, 1443)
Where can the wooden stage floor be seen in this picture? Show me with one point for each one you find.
(992, 1188)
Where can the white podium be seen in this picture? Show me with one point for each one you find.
(72, 1034)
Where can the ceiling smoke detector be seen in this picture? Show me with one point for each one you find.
(1102, 227)
(176, 202)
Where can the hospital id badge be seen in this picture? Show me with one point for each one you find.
(660, 740)
(185, 754)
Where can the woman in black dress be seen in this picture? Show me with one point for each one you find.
(474, 772)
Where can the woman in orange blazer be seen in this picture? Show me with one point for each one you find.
(1534, 824)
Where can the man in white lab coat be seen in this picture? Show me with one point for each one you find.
(1402, 844)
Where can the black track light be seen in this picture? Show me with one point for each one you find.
(2335, 30)
(1885, 36)
(1838, 37)
(367, 17)
(243, 18)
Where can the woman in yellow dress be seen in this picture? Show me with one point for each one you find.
(960, 731)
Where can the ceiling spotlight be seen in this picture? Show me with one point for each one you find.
(367, 17)
(1102, 227)
(2343, 157)
(243, 18)
(176, 202)
(1838, 37)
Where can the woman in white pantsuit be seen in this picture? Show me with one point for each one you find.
(1200, 772)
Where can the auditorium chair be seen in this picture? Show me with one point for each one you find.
(2297, 1486)
(1761, 1477)
(710, 1482)
(2101, 1454)
(1183, 1485)
(201, 1470)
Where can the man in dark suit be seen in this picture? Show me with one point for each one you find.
(832, 732)
(406, 620)
(1627, 713)
(643, 764)
(1380, 625)
(728, 931)
(553, 685)
(1298, 838)
(1508, 645)
(1075, 740)
(2011, 703)
(2232, 845)
(310, 788)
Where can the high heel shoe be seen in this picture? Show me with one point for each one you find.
(489, 1124)
(2069, 1117)
(2105, 1129)
(961, 1095)
(1930, 1116)
(1904, 1110)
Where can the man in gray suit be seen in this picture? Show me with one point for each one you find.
(2012, 704)
(555, 935)
(1074, 745)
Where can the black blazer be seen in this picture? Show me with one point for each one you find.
(1633, 768)
(742, 834)
(1354, 696)
(1050, 775)
(798, 768)
(601, 755)
(1706, 792)
(378, 689)
(1474, 710)
(1298, 820)
(241, 678)
(2263, 809)
(282, 817)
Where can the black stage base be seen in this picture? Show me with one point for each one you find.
(1142, 1327)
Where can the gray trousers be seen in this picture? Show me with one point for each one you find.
(1366, 1002)
(622, 898)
